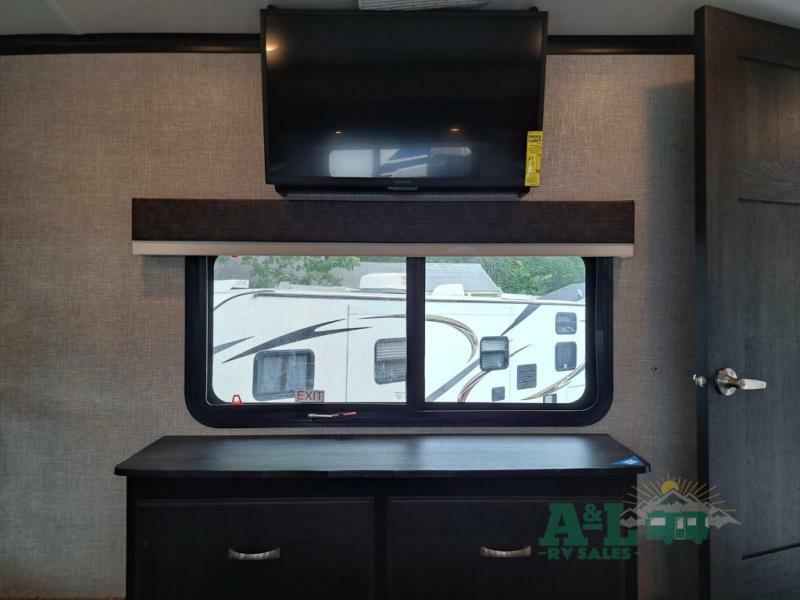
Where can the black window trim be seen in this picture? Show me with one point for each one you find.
(415, 412)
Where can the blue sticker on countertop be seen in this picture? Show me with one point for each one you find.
(631, 461)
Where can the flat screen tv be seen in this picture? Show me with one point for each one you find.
(429, 100)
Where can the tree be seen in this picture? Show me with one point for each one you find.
(269, 271)
(533, 275)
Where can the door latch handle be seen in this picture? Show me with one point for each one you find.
(728, 382)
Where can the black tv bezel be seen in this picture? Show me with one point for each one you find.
(385, 184)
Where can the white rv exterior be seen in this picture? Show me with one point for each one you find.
(265, 341)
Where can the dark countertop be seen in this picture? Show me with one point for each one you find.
(375, 456)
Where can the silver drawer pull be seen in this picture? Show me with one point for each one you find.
(492, 553)
(268, 555)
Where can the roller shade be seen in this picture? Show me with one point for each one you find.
(187, 227)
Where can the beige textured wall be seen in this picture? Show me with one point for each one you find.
(91, 337)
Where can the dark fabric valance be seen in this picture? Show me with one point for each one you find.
(396, 227)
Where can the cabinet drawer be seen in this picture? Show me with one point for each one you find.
(434, 551)
(276, 549)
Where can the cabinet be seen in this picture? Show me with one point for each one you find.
(389, 517)
(486, 548)
(284, 548)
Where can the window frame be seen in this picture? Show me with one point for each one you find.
(415, 412)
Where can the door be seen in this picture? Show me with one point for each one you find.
(748, 260)
(485, 548)
(279, 549)
(680, 528)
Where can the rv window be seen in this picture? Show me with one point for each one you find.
(473, 303)
(566, 356)
(293, 340)
(566, 323)
(279, 373)
(390, 360)
(494, 353)
(335, 309)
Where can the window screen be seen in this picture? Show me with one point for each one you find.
(492, 322)
(268, 310)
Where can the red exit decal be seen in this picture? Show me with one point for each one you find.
(315, 396)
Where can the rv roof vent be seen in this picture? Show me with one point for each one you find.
(448, 289)
(384, 282)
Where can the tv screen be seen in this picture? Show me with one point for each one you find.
(401, 100)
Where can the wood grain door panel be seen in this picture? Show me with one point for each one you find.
(326, 549)
(434, 551)
(748, 235)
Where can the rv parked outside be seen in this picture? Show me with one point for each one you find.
(347, 338)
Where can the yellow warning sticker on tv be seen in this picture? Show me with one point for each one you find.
(533, 159)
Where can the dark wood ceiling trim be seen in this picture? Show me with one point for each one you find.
(620, 44)
(124, 43)
(245, 43)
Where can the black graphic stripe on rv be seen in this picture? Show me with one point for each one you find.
(470, 385)
(444, 388)
(306, 333)
(527, 312)
(462, 328)
(458, 377)
(227, 345)
(235, 297)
